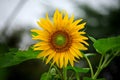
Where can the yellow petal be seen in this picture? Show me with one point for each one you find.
(73, 53)
(78, 33)
(76, 22)
(77, 52)
(41, 54)
(66, 59)
(48, 52)
(39, 37)
(74, 25)
(82, 33)
(85, 42)
(41, 44)
(56, 59)
(79, 46)
(80, 37)
(80, 40)
(42, 47)
(71, 59)
(45, 53)
(55, 17)
(60, 18)
(45, 24)
(40, 32)
(80, 26)
(65, 19)
(61, 59)
(71, 19)
(50, 57)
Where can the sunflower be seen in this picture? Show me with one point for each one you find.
(61, 39)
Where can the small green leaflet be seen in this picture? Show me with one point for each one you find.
(46, 76)
(34, 33)
(92, 38)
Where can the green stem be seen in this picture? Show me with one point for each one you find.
(105, 63)
(77, 76)
(101, 60)
(111, 58)
(48, 71)
(58, 71)
(65, 73)
(89, 63)
(101, 66)
(70, 78)
(97, 73)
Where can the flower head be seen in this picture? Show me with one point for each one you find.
(60, 39)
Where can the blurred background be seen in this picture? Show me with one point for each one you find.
(17, 17)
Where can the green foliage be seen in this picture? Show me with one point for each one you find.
(104, 45)
(34, 33)
(78, 69)
(14, 57)
(86, 78)
(50, 75)
(46, 76)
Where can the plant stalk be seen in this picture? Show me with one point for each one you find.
(65, 73)
(77, 76)
(89, 63)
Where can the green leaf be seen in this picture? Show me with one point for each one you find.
(46, 76)
(104, 45)
(86, 78)
(78, 69)
(15, 57)
(92, 38)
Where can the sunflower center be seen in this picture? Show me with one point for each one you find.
(60, 40)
